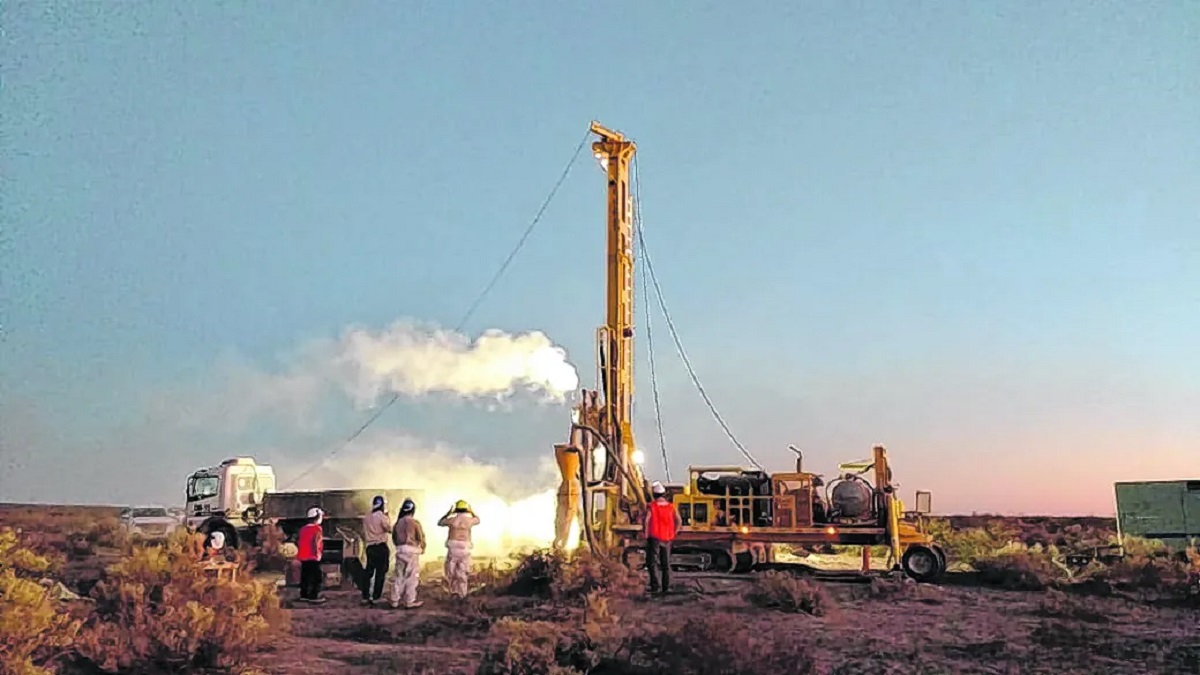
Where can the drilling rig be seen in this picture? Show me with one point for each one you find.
(732, 516)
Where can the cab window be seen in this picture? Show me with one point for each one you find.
(202, 487)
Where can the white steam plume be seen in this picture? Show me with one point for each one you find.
(515, 513)
(413, 360)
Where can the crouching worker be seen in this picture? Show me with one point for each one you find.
(460, 519)
(310, 546)
(409, 539)
(376, 528)
(662, 522)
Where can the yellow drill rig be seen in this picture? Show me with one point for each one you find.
(732, 516)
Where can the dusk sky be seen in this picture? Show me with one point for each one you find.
(970, 232)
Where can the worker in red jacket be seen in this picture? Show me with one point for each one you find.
(661, 524)
(310, 545)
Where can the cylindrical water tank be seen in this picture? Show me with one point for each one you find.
(852, 498)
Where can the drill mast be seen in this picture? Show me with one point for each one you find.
(609, 476)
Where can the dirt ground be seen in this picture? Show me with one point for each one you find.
(957, 627)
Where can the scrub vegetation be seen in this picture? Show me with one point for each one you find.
(1010, 603)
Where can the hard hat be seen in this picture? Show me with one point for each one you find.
(462, 505)
(315, 512)
(657, 488)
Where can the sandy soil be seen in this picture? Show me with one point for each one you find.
(954, 628)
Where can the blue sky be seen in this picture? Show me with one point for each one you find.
(969, 232)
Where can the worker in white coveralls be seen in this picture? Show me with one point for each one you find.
(460, 519)
(409, 538)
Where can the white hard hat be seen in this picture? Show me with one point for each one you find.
(657, 488)
(314, 512)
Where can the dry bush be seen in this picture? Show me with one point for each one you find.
(583, 573)
(34, 631)
(904, 589)
(267, 553)
(775, 590)
(1153, 571)
(713, 644)
(558, 576)
(158, 609)
(965, 546)
(1018, 568)
(538, 648)
(532, 575)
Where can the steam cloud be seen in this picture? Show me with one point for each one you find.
(412, 360)
(418, 360)
(514, 513)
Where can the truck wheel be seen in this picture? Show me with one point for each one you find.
(231, 535)
(922, 563)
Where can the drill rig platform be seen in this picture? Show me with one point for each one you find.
(732, 516)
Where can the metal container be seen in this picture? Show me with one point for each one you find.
(1165, 510)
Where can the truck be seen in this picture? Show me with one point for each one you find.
(238, 498)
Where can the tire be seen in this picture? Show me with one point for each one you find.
(743, 562)
(231, 535)
(923, 563)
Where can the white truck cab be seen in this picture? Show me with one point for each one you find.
(230, 492)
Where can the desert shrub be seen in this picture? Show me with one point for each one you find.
(104, 532)
(34, 631)
(158, 609)
(532, 575)
(584, 573)
(788, 593)
(1139, 547)
(1018, 568)
(538, 648)
(1169, 577)
(713, 644)
(558, 576)
(904, 589)
(965, 546)
(267, 554)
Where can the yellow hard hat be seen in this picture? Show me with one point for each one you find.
(462, 505)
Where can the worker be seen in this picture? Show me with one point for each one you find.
(376, 529)
(460, 519)
(409, 538)
(661, 523)
(310, 545)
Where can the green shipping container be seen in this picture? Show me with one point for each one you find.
(1167, 510)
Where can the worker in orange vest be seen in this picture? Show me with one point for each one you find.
(661, 524)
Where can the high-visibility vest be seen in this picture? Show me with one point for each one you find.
(662, 521)
(310, 543)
